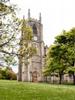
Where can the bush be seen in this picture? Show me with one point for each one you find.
(8, 74)
(0, 76)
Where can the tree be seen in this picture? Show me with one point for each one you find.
(13, 29)
(55, 60)
(61, 55)
(8, 34)
(71, 52)
(7, 73)
(26, 49)
(70, 45)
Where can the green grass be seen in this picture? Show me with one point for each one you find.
(12, 90)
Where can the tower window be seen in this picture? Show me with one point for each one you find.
(34, 29)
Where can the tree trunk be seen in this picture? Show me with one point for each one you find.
(74, 75)
(74, 78)
(60, 78)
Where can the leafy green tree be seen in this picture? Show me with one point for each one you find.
(70, 45)
(61, 55)
(55, 60)
(10, 75)
(7, 73)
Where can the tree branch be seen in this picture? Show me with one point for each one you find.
(3, 44)
(9, 53)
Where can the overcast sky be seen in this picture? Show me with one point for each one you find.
(56, 15)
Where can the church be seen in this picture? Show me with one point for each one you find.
(33, 73)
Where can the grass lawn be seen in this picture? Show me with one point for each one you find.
(12, 90)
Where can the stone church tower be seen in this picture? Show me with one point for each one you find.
(33, 72)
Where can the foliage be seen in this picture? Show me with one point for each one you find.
(7, 73)
(8, 34)
(61, 55)
(14, 29)
(26, 49)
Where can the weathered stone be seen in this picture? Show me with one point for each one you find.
(34, 70)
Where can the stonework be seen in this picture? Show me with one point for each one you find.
(33, 72)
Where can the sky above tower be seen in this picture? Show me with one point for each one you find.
(57, 15)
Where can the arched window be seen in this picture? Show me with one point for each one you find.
(34, 29)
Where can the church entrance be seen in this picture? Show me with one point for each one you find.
(34, 76)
